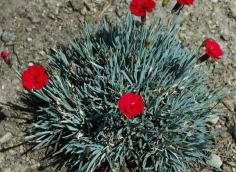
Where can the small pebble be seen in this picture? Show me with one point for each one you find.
(35, 20)
(30, 64)
(98, 2)
(215, 161)
(8, 37)
(21, 149)
(29, 39)
(225, 37)
(83, 11)
(28, 29)
(6, 137)
(214, 119)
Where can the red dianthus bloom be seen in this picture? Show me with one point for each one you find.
(34, 78)
(140, 7)
(131, 105)
(213, 49)
(4, 54)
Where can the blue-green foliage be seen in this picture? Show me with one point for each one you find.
(81, 124)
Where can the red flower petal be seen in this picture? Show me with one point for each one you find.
(4, 54)
(150, 5)
(41, 81)
(131, 105)
(140, 7)
(185, 2)
(213, 49)
(35, 70)
(34, 78)
(27, 80)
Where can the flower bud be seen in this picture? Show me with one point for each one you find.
(5, 54)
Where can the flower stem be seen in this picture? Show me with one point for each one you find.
(176, 7)
(203, 58)
(8, 61)
(10, 64)
(143, 19)
(16, 71)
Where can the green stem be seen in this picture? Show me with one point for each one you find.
(143, 19)
(203, 58)
(177, 7)
(18, 74)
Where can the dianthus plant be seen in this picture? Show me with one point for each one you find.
(81, 124)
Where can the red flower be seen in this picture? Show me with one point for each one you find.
(131, 105)
(185, 2)
(140, 7)
(213, 49)
(4, 54)
(34, 78)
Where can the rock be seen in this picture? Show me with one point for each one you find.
(233, 65)
(76, 5)
(98, 2)
(225, 37)
(6, 138)
(28, 29)
(29, 39)
(8, 37)
(215, 161)
(83, 11)
(213, 119)
(35, 19)
(22, 149)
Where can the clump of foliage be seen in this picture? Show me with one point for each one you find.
(80, 123)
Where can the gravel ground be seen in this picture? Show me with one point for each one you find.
(29, 28)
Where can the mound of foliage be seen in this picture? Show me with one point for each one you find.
(81, 124)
